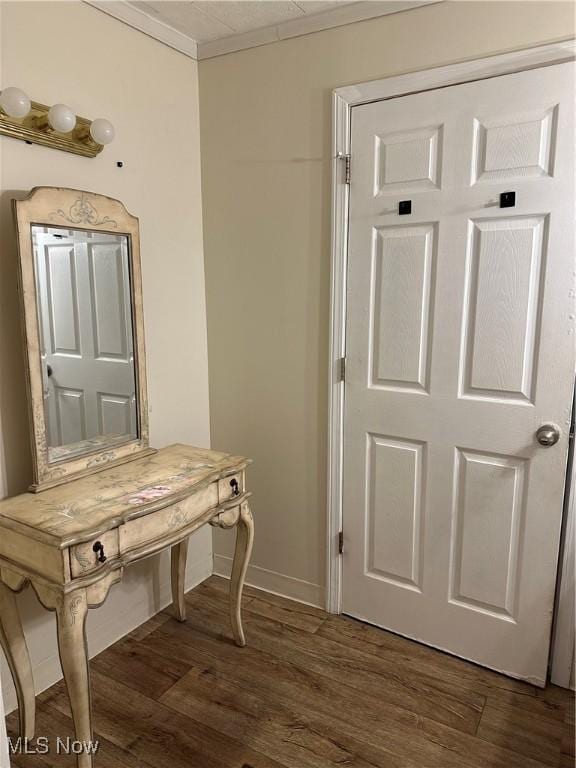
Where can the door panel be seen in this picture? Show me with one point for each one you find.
(114, 414)
(514, 149)
(109, 304)
(70, 415)
(402, 293)
(488, 515)
(63, 298)
(409, 160)
(395, 486)
(460, 345)
(503, 307)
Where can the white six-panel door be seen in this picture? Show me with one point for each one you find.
(459, 347)
(84, 284)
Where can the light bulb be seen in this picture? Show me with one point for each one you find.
(102, 131)
(61, 118)
(15, 102)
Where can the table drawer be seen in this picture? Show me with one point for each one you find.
(156, 525)
(230, 486)
(91, 555)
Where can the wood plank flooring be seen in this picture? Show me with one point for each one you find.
(309, 691)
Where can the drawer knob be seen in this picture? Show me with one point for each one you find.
(235, 487)
(98, 548)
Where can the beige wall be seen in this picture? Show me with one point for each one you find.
(70, 52)
(265, 138)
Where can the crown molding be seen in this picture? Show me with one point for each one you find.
(305, 25)
(147, 24)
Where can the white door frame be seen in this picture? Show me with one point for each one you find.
(564, 637)
(343, 99)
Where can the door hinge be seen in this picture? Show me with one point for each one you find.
(341, 542)
(342, 369)
(346, 158)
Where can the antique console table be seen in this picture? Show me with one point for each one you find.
(71, 544)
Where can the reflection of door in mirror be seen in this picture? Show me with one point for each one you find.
(85, 315)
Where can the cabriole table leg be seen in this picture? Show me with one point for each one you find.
(244, 541)
(14, 646)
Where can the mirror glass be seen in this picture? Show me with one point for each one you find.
(86, 338)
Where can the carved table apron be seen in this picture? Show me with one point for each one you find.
(72, 542)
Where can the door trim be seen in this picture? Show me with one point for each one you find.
(563, 632)
(343, 100)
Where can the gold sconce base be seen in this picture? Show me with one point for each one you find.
(34, 129)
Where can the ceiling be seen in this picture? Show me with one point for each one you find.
(206, 28)
(205, 20)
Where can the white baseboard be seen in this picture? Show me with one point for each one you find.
(107, 627)
(277, 583)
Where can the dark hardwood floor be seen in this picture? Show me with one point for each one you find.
(309, 691)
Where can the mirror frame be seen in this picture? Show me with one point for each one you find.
(76, 209)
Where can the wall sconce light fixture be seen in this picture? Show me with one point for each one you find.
(56, 126)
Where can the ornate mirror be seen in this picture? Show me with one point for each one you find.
(84, 331)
